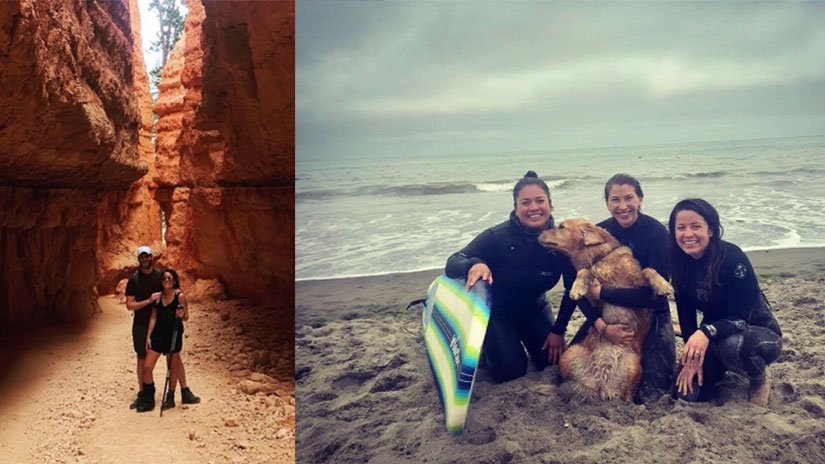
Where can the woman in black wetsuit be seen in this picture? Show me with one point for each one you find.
(509, 257)
(647, 238)
(738, 331)
(168, 315)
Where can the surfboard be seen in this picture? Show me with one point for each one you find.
(455, 322)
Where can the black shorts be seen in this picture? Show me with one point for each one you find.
(139, 339)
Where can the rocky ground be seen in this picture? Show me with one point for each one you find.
(67, 391)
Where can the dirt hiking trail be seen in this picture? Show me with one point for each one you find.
(66, 391)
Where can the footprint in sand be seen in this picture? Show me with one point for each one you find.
(322, 396)
(351, 381)
(391, 382)
(814, 405)
(481, 437)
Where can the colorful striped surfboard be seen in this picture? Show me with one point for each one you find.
(455, 322)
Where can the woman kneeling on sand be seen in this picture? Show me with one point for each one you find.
(165, 324)
(647, 238)
(738, 330)
(524, 271)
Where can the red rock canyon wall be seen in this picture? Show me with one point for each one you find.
(225, 148)
(80, 184)
(69, 130)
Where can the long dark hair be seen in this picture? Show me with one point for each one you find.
(715, 251)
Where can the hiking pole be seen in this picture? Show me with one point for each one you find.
(169, 360)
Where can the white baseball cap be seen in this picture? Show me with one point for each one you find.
(144, 249)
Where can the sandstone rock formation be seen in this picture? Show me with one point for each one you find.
(68, 135)
(131, 217)
(80, 184)
(225, 147)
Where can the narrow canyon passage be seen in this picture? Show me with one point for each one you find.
(90, 169)
(66, 391)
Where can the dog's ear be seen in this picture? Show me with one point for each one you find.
(592, 235)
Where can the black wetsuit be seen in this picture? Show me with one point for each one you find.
(744, 335)
(647, 238)
(522, 272)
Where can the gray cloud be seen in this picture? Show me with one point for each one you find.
(438, 78)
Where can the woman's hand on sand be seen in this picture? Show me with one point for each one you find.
(619, 334)
(479, 271)
(554, 346)
(684, 382)
(695, 348)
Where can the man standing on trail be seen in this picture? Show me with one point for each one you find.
(142, 290)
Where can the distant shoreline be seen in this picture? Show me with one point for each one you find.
(759, 255)
(390, 293)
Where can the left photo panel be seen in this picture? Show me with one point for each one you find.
(147, 231)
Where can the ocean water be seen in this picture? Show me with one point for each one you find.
(377, 215)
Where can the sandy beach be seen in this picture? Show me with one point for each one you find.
(364, 391)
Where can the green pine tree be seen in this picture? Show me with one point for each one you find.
(170, 19)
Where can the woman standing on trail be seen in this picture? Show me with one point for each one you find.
(166, 324)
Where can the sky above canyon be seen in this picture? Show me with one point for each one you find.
(440, 78)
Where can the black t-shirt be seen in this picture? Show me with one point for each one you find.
(142, 286)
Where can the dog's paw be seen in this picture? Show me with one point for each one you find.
(545, 390)
(665, 289)
(658, 283)
(578, 290)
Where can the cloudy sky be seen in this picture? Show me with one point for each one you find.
(440, 78)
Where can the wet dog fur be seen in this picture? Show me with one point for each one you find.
(596, 368)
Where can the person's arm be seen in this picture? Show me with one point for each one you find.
(642, 297)
(636, 297)
(741, 294)
(459, 263)
(687, 317)
(133, 305)
(152, 319)
(183, 314)
(568, 305)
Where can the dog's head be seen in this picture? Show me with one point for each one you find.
(579, 239)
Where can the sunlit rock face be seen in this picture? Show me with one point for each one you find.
(225, 147)
(68, 116)
(80, 184)
(69, 132)
(131, 217)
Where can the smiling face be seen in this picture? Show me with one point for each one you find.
(532, 207)
(692, 233)
(623, 203)
(168, 280)
(145, 260)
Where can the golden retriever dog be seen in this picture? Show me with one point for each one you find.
(597, 368)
